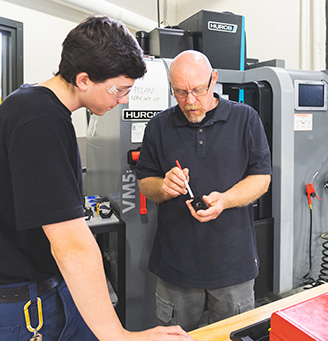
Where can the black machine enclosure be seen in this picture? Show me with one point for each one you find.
(169, 42)
(219, 36)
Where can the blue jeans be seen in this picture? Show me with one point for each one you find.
(61, 319)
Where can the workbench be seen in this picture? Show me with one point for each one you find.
(220, 331)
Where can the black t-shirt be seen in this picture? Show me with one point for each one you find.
(226, 147)
(40, 180)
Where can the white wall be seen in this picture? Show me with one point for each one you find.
(148, 8)
(273, 29)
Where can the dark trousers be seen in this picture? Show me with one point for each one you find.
(61, 319)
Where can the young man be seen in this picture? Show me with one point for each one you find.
(210, 252)
(43, 234)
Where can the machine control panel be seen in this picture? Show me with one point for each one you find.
(310, 95)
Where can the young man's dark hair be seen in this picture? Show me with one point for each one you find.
(112, 51)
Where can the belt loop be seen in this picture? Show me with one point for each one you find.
(33, 299)
(33, 292)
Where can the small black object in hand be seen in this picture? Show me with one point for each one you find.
(199, 204)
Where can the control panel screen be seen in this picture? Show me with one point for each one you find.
(310, 95)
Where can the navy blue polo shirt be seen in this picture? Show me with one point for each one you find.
(227, 146)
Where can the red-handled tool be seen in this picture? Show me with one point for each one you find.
(134, 156)
(310, 192)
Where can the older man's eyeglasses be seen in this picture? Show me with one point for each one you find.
(117, 92)
(197, 92)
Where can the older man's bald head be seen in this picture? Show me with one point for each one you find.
(187, 61)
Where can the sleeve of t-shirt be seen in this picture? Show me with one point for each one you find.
(259, 151)
(42, 156)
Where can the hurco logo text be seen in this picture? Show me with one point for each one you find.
(222, 27)
(138, 115)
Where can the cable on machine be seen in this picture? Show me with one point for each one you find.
(323, 276)
(309, 280)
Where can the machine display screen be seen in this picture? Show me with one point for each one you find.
(310, 95)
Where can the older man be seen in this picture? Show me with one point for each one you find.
(208, 255)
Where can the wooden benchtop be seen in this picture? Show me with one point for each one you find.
(220, 331)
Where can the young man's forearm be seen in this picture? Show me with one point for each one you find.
(79, 260)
